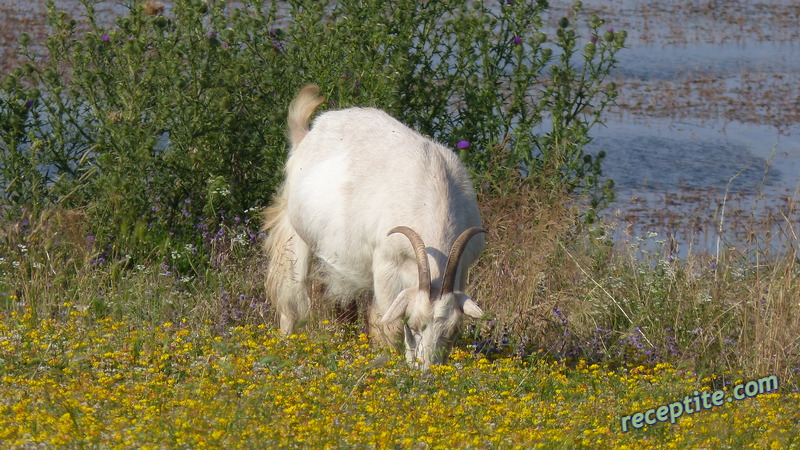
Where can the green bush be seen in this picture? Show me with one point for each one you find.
(169, 126)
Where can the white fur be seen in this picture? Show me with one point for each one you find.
(353, 177)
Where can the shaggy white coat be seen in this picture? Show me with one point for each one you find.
(349, 181)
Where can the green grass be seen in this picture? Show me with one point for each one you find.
(114, 353)
(76, 381)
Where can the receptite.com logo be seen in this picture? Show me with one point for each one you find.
(699, 401)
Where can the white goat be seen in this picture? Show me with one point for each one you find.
(356, 176)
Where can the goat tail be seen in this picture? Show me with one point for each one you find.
(300, 111)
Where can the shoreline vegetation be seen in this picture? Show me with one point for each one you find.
(132, 305)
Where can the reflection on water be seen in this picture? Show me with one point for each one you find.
(683, 182)
(650, 62)
(706, 122)
(661, 156)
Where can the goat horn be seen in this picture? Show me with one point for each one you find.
(449, 278)
(422, 257)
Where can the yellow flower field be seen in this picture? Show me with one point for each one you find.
(77, 381)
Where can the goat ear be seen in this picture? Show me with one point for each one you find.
(398, 307)
(471, 308)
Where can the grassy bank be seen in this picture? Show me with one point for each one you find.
(132, 308)
(580, 332)
(78, 381)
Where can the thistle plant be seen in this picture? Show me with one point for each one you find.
(165, 123)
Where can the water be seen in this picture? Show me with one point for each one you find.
(707, 115)
(667, 155)
(726, 110)
(673, 177)
(656, 62)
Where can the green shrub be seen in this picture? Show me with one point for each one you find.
(169, 126)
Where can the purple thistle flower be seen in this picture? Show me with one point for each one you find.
(29, 104)
(277, 45)
(593, 40)
(212, 34)
(517, 40)
(105, 38)
(462, 144)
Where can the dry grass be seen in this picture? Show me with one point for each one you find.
(549, 283)
(552, 284)
(514, 278)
